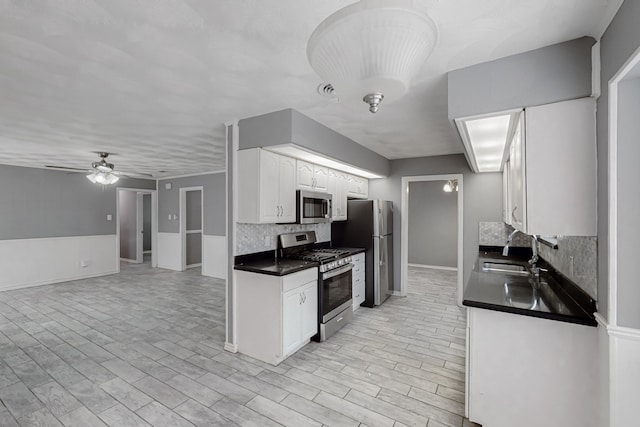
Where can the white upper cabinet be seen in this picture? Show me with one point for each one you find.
(552, 170)
(358, 187)
(312, 177)
(266, 187)
(337, 186)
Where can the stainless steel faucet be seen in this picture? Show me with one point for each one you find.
(505, 251)
(534, 249)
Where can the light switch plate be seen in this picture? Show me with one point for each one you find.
(109, 217)
(167, 186)
(169, 217)
(175, 217)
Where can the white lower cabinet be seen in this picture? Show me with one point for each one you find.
(528, 372)
(358, 275)
(275, 315)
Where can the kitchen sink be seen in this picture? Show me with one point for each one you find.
(505, 268)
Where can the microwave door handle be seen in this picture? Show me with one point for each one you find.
(326, 206)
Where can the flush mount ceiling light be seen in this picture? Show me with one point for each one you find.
(371, 50)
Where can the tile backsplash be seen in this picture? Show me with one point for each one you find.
(496, 234)
(251, 238)
(576, 257)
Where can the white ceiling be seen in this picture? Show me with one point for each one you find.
(155, 80)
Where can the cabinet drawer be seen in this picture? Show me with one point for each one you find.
(292, 281)
(358, 279)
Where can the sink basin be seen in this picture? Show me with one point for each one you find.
(505, 268)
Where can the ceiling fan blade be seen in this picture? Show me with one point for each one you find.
(64, 168)
(133, 174)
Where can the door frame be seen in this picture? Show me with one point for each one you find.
(612, 261)
(404, 223)
(154, 222)
(183, 225)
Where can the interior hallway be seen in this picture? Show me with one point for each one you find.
(144, 347)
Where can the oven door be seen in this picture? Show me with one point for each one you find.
(336, 291)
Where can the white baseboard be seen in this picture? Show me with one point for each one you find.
(232, 348)
(132, 261)
(194, 265)
(35, 262)
(169, 251)
(435, 267)
(214, 256)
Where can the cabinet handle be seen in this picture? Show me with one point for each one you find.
(304, 297)
(513, 214)
(300, 299)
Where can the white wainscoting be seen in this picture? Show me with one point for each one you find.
(623, 373)
(169, 251)
(214, 256)
(33, 262)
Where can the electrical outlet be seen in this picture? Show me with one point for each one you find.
(85, 263)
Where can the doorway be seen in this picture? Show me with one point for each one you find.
(436, 226)
(191, 226)
(136, 225)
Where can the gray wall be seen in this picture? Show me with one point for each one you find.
(127, 207)
(550, 74)
(628, 203)
(146, 222)
(290, 126)
(482, 200)
(619, 41)
(39, 203)
(433, 224)
(194, 210)
(214, 202)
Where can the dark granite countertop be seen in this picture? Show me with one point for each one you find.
(549, 295)
(352, 251)
(266, 263)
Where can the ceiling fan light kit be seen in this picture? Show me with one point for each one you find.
(103, 178)
(371, 50)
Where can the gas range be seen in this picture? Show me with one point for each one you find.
(328, 258)
(334, 281)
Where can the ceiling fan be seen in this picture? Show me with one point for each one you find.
(102, 172)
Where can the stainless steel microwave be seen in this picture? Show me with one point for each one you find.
(312, 207)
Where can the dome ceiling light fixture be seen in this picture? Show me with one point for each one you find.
(371, 50)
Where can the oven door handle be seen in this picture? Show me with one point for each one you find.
(337, 271)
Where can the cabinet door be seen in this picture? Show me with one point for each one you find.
(364, 188)
(291, 327)
(332, 188)
(320, 178)
(287, 189)
(517, 181)
(506, 196)
(343, 181)
(309, 310)
(269, 193)
(305, 175)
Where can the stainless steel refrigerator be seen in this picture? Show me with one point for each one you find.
(370, 226)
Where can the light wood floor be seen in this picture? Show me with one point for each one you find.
(144, 347)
